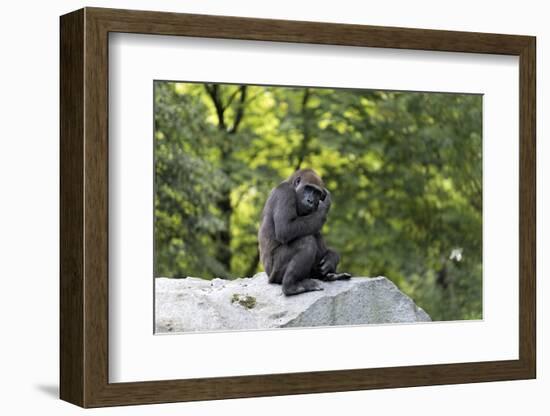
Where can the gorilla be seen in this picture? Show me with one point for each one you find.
(292, 249)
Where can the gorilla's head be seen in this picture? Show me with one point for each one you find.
(310, 189)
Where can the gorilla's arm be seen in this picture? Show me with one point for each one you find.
(288, 225)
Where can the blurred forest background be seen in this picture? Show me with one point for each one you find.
(404, 170)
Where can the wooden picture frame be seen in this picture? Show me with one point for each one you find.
(84, 207)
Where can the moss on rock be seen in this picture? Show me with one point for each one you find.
(245, 301)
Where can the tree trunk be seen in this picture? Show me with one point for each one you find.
(223, 237)
(306, 136)
(253, 266)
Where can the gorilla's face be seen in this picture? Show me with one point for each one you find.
(308, 196)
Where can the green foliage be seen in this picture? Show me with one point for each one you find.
(404, 170)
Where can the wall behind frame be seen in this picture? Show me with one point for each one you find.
(29, 169)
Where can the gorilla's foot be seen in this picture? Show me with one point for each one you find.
(306, 285)
(330, 277)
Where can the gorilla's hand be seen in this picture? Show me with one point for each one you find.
(324, 206)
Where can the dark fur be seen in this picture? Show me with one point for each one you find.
(292, 248)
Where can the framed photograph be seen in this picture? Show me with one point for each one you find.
(254, 207)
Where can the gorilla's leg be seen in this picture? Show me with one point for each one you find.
(278, 262)
(325, 268)
(297, 276)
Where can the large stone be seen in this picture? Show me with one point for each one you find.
(192, 304)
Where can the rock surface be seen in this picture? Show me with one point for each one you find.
(192, 304)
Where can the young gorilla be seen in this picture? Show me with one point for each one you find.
(292, 248)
